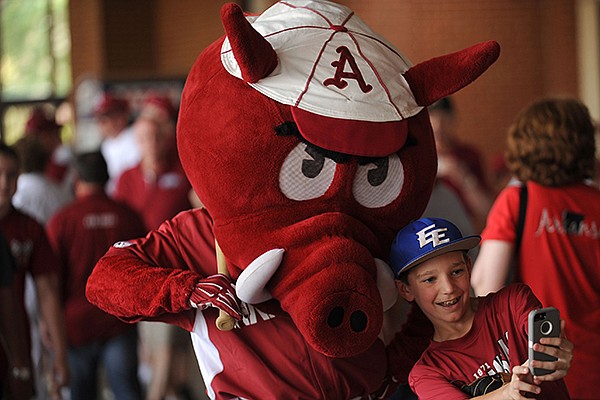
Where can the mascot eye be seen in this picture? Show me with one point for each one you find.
(306, 174)
(312, 168)
(378, 183)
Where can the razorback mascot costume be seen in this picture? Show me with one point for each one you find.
(305, 135)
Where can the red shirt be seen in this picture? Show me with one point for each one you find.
(155, 198)
(496, 343)
(470, 158)
(266, 358)
(559, 260)
(80, 234)
(7, 264)
(31, 251)
(6, 280)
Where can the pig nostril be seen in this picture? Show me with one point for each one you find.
(335, 318)
(358, 321)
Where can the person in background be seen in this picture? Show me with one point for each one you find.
(34, 257)
(36, 194)
(15, 360)
(479, 347)
(158, 189)
(460, 165)
(39, 197)
(550, 151)
(48, 131)
(80, 234)
(119, 146)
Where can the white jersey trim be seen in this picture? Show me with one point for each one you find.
(207, 354)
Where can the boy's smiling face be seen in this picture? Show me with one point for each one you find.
(441, 288)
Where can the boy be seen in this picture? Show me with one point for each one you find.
(477, 341)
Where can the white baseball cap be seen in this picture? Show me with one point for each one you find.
(334, 71)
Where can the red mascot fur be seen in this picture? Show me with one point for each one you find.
(305, 135)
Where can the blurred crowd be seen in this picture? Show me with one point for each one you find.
(60, 211)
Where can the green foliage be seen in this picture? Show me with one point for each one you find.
(35, 49)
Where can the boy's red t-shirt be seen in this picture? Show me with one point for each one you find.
(496, 343)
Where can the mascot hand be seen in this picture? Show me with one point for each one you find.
(216, 291)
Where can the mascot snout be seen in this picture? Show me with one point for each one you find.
(329, 283)
(333, 294)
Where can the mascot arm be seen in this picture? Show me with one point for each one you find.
(408, 344)
(127, 287)
(161, 276)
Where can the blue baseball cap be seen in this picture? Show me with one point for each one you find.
(424, 239)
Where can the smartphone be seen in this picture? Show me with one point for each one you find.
(544, 322)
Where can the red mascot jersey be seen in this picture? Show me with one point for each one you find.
(267, 346)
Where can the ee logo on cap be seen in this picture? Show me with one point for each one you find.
(430, 235)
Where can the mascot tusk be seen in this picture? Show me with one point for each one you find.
(251, 284)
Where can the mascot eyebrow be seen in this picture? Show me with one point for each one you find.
(289, 128)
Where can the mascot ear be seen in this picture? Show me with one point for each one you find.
(441, 76)
(253, 53)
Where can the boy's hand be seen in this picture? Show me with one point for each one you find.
(560, 348)
(521, 383)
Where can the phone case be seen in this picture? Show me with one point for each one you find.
(544, 322)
